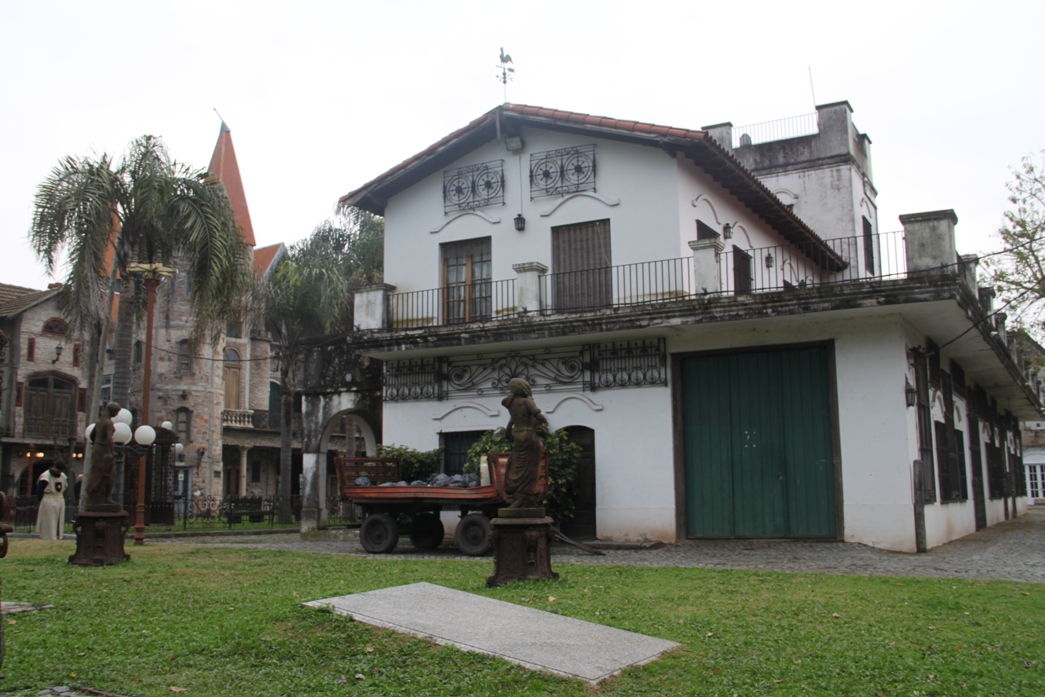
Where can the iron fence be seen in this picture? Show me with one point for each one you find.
(641, 283)
(779, 129)
(200, 513)
(454, 304)
(741, 271)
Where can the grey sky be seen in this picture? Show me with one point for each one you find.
(323, 96)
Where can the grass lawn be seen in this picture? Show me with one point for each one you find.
(215, 621)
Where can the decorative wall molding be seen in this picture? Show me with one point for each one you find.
(485, 216)
(593, 405)
(706, 199)
(581, 194)
(485, 410)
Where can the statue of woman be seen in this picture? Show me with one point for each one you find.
(102, 476)
(525, 429)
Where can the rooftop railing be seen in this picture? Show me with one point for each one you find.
(778, 268)
(780, 129)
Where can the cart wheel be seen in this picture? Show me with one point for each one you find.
(379, 533)
(427, 531)
(473, 534)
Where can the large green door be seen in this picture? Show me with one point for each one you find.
(758, 445)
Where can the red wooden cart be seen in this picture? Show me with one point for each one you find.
(386, 507)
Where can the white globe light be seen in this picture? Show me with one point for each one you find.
(145, 435)
(121, 433)
(124, 417)
(179, 448)
(167, 425)
(88, 431)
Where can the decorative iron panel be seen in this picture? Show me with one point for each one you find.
(473, 186)
(414, 379)
(584, 368)
(628, 364)
(564, 171)
(547, 370)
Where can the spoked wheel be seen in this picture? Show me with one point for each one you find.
(379, 533)
(473, 534)
(427, 531)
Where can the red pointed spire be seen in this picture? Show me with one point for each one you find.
(224, 168)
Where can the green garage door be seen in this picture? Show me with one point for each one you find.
(758, 445)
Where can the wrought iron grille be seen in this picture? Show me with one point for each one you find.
(546, 370)
(473, 186)
(586, 368)
(629, 364)
(414, 379)
(564, 171)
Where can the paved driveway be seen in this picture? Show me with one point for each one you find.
(1014, 551)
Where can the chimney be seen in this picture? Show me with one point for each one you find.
(929, 238)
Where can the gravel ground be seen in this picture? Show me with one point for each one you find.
(1011, 551)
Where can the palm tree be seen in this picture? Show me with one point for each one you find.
(305, 297)
(98, 217)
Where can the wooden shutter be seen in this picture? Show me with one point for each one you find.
(743, 274)
(582, 261)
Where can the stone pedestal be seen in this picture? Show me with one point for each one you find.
(99, 538)
(521, 538)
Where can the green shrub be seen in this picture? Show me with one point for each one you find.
(563, 455)
(413, 464)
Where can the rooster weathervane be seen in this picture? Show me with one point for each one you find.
(507, 72)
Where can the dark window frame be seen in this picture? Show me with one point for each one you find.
(183, 424)
(455, 446)
(743, 271)
(869, 265)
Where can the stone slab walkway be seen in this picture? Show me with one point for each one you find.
(532, 638)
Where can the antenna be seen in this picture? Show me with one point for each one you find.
(507, 73)
(811, 90)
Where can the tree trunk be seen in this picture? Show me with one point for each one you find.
(123, 344)
(97, 358)
(286, 421)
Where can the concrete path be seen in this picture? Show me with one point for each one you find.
(532, 638)
(1010, 551)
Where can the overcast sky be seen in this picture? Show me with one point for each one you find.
(323, 96)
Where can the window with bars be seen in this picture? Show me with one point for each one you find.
(455, 449)
(467, 274)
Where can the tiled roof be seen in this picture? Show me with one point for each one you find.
(224, 168)
(697, 145)
(16, 299)
(264, 257)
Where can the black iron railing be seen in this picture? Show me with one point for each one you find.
(481, 301)
(741, 271)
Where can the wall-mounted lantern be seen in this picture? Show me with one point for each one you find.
(727, 231)
(520, 222)
(57, 353)
(910, 393)
(769, 260)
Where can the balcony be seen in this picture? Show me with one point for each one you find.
(715, 269)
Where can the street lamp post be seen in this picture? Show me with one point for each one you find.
(153, 275)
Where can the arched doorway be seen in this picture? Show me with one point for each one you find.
(582, 525)
(231, 374)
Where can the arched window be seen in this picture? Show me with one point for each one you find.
(232, 379)
(138, 352)
(184, 358)
(183, 424)
(56, 327)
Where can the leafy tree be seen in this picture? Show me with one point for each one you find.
(99, 216)
(1018, 272)
(413, 464)
(563, 456)
(307, 297)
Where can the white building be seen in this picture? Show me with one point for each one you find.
(732, 369)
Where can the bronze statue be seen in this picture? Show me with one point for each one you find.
(102, 476)
(524, 431)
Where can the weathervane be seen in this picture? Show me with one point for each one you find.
(506, 71)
